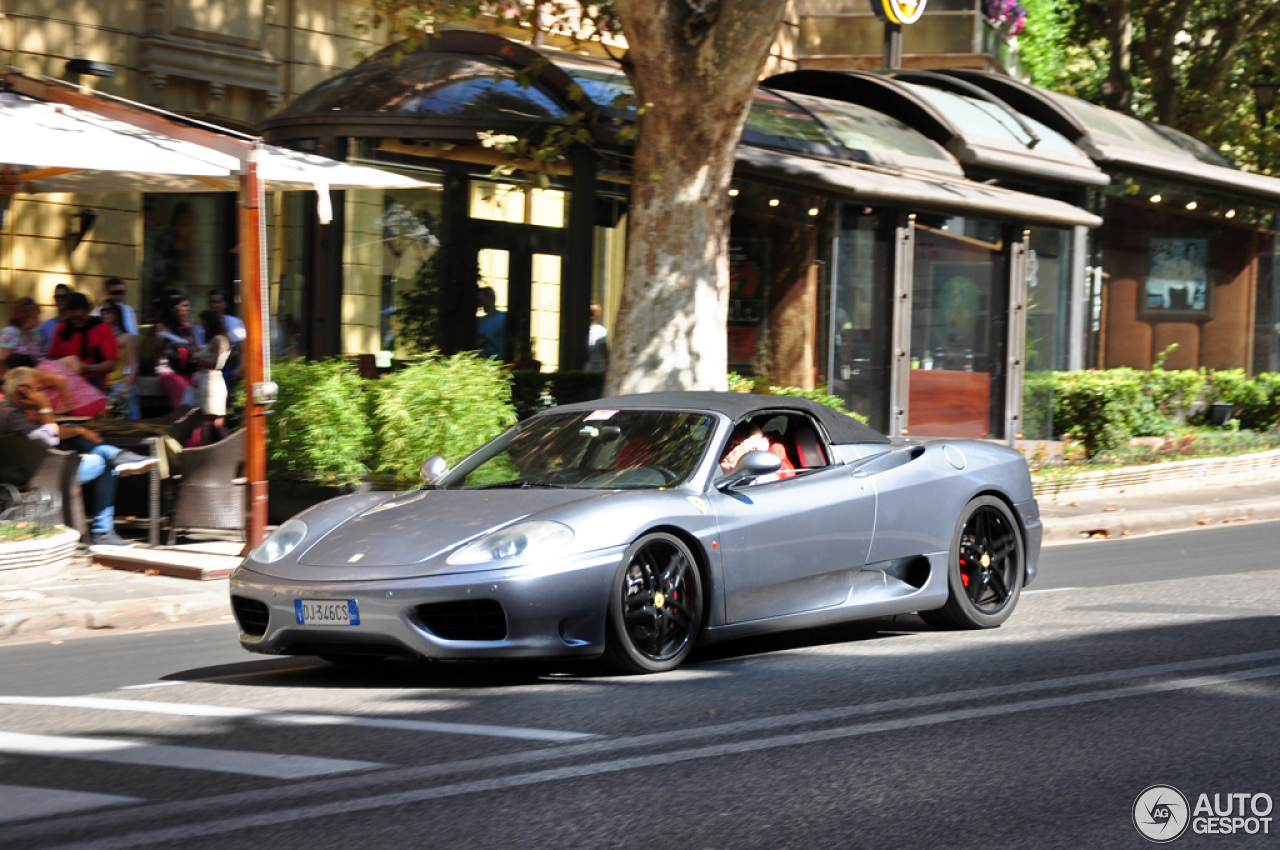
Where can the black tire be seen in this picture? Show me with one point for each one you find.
(982, 595)
(655, 608)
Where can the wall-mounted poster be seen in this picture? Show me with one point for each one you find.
(1178, 279)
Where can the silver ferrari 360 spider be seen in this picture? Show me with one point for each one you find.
(638, 526)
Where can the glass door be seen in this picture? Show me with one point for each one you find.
(959, 328)
(518, 305)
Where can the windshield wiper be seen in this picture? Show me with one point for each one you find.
(521, 484)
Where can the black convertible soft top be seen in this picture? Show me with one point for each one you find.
(840, 427)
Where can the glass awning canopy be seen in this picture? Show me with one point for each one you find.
(452, 86)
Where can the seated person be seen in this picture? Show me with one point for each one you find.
(69, 394)
(26, 409)
(748, 437)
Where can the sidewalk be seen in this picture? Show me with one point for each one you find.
(1084, 516)
(88, 597)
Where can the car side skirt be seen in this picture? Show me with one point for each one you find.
(875, 593)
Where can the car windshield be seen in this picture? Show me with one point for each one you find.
(590, 450)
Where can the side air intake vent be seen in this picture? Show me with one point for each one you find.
(469, 619)
(251, 614)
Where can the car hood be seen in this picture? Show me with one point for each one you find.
(395, 538)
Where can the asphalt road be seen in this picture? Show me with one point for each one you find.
(1130, 663)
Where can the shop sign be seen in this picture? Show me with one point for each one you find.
(898, 11)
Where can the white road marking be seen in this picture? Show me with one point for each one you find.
(20, 803)
(298, 719)
(151, 685)
(609, 746)
(121, 751)
(1049, 590)
(179, 834)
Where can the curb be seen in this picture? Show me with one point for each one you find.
(1122, 523)
(97, 618)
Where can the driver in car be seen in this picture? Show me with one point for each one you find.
(747, 437)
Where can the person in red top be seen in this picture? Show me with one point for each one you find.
(749, 438)
(88, 339)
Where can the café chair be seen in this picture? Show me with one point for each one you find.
(211, 488)
(29, 463)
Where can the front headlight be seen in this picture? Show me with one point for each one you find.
(282, 541)
(533, 538)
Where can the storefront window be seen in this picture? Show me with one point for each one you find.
(774, 272)
(188, 245)
(1048, 292)
(958, 328)
(391, 285)
(289, 237)
(862, 259)
(518, 204)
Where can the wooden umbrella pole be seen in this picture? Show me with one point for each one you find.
(254, 351)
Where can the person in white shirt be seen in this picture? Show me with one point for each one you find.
(597, 342)
(115, 291)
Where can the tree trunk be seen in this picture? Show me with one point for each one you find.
(697, 62)
(1117, 88)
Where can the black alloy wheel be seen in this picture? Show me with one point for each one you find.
(986, 566)
(655, 611)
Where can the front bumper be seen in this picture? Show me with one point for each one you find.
(551, 610)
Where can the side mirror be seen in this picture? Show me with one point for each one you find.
(432, 468)
(752, 465)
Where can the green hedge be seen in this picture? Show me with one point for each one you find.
(1103, 409)
(331, 427)
(446, 406)
(319, 428)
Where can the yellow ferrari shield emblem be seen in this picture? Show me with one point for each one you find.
(658, 599)
(986, 560)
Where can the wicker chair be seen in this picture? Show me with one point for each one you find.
(20, 458)
(30, 463)
(183, 422)
(211, 491)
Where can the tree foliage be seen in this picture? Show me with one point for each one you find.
(1187, 64)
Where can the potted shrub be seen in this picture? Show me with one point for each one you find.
(445, 406)
(318, 436)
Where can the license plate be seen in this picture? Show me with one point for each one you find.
(326, 612)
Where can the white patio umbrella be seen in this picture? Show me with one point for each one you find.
(53, 139)
(54, 147)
